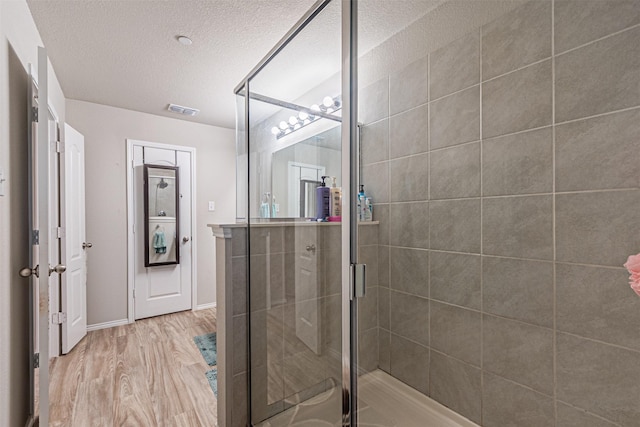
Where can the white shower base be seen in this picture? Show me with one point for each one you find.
(383, 402)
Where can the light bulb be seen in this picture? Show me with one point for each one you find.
(327, 101)
(293, 120)
(283, 125)
(303, 115)
(275, 130)
(315, 107)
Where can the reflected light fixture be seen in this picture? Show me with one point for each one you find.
(329, 105)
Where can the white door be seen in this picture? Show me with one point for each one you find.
(39, 268)
(307, 291)
(162, 289)
(74, 244)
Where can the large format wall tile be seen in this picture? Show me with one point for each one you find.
(408, 88)
(374, 102)
(455, 119)
(519, 38)
(455, 225)
(410, 363)
(456, 385)
(456, 332)
(455, 66)
(599, 377)
(578, 21)
(381, 214)
(409, 178)
(376, 181)
(409, 132)
(597, 303)
(410, 270)
(598, 78)
(520, 352)
(507, 404)
(455, 278)
(383, 266)
(455, 172)
(597, 228)
(409, 224)
(384, 356)
(383, 308)
(518, 101)
(409, 317)
(518, 227)
(597, 153)
(375, 142)
(568, 416)
(519, 289)
(518, 164)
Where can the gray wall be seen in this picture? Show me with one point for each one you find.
(105, 130)
(19, 40)
(504, 167)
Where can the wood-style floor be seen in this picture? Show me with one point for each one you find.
(149, 373)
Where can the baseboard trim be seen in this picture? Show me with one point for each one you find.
(106, 325)
(205, 306)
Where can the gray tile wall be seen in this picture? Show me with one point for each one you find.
(505, 171)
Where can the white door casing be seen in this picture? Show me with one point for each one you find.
(161, 289)
(74, 249)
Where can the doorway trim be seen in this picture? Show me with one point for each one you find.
(131, 143)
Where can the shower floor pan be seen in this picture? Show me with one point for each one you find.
(383, 402)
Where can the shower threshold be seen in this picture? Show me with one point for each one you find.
(384, 401)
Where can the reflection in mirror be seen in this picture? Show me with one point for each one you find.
(161, 215)
(297, 170)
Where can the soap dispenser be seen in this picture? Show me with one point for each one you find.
(323, 198)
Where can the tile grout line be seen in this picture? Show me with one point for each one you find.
(429, 77)
(553, 209)
(482, 400)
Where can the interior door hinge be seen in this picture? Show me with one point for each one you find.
(58, 318)
(358, 280)
(34, 114)
(60, 232)
(36, 360)
(59, 147)
(134, 293)
(35, 237)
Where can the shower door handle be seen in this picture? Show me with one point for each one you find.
(185, 239)
(86, 245)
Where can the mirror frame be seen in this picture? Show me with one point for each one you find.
(147, 233)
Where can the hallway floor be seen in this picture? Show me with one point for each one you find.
(149, 373)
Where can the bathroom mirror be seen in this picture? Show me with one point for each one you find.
(296, 171)
(161, 215)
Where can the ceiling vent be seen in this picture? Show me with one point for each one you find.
(183, 110)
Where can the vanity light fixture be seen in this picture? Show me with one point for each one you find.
(329, 105)
(187, 111)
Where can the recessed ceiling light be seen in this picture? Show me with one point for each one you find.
(184, 40)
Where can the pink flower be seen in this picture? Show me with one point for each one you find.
(633, 266)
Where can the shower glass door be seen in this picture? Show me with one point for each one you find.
(293, 143)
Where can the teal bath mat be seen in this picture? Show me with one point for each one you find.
(207, 344)
(212, 377)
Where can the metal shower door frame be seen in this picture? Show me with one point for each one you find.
(350, 170)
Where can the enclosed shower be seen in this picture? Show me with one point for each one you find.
(498, 143)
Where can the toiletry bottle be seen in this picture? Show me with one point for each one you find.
(361, 203)
(335, 213)
(323, 198)
(274, 208)
(264, 206)
(368, 209)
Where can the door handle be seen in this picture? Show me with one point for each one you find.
(27, 272)
(185, 239)
(311, 248)
(57, 269)
(87, 245)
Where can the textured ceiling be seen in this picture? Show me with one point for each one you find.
(124, 53)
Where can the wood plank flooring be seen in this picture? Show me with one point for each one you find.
(149, 373)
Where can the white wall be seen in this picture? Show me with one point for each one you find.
(105, 130)
(19, 40)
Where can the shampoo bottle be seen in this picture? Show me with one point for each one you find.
(361, 203)
(323, 198)
(335, 211)
(264, 206)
